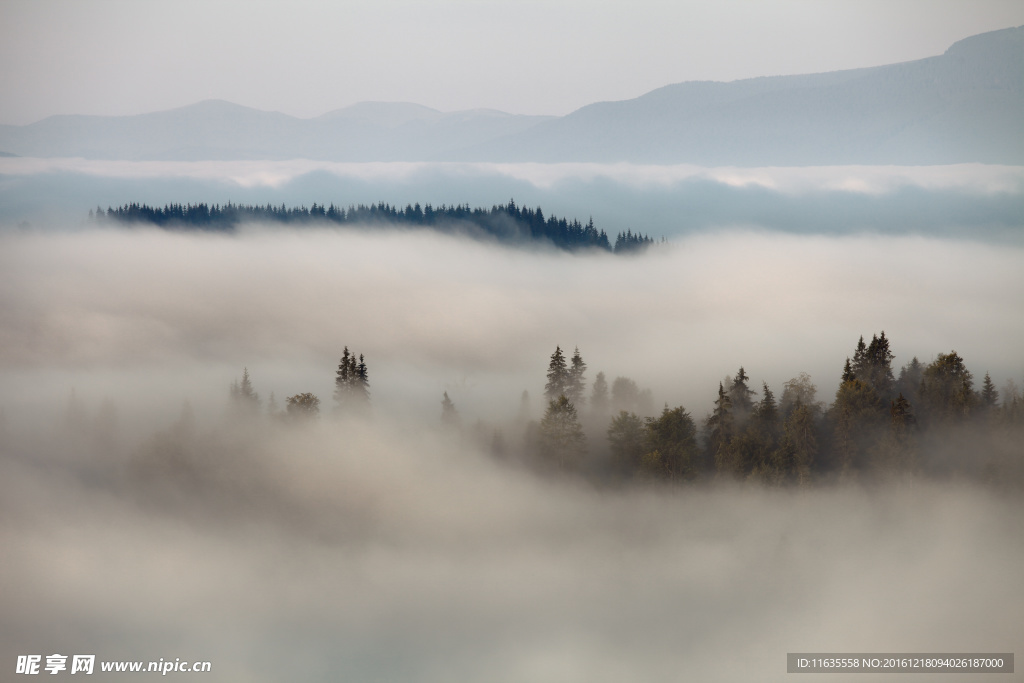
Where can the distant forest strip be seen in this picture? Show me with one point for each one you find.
(930, 419)
(507, 223)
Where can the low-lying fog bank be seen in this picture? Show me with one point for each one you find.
(147, 317)
(137, 526)
(378, 552)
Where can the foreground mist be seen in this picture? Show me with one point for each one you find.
(143, 518)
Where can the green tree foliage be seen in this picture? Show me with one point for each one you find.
(856, 414)
(947, 389)
(671, 445)
(758, 440)
(626, 437)
(720, 428)
(561, 437)
(302, 406)
(558, 376)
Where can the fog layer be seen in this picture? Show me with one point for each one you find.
(432, 312)
(392, 550)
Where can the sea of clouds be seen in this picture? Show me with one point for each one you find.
(142, 518)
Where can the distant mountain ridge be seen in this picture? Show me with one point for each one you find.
(215, 129)
(966, 105)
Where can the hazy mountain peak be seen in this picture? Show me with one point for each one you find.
(1008, 41)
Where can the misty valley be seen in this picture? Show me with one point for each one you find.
(188, 453)
(442, 342)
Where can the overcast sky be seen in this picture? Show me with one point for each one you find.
(520, 56)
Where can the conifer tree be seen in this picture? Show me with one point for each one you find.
(989, 394)
(740, 395)
(362, 382)
(855, 416)
(561, 436)
(756, 444)
(909, 382)
(245, 398)
(848, 375)
(599, 395)
(720, 434)
(558, 376)
(352, 383)
(947, 388)
(860, 355)
(342, 381)
(877, 366)
(574, 385)
(671, 445)
(626, 441)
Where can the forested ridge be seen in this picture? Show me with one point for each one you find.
(930, 419)
(508, 223)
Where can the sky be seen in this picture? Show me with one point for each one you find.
(110, 57)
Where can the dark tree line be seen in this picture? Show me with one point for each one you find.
(927, 419)
(930, 419)
(507, 223)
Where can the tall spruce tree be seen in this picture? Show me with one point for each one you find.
(720, 429)
(740, 395)
(558, 376)
(989, 394)
(575, 384)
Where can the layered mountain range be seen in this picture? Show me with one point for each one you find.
(966, 105)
